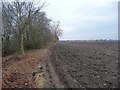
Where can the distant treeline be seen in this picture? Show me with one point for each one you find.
(26, 27)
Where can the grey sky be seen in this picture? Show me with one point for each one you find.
(85, 19)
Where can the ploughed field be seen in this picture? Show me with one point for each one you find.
(86, 64)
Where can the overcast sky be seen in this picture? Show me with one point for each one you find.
(85, 19)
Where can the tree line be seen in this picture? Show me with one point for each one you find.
(25, 26)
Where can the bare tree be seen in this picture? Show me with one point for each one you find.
(22, 14)
(26, 26)
(56, 30)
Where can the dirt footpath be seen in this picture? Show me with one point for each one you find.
(86, 64)
(25, 72)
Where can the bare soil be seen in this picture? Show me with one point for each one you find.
(86, 64)
(67, 64)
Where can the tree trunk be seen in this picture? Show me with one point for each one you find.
(21, 44)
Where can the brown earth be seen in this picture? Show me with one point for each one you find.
(22, 72)
(69, 64)
(86, 64)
